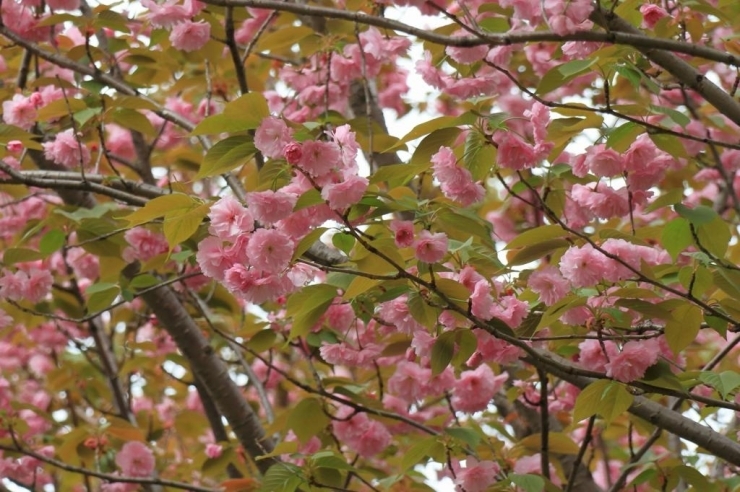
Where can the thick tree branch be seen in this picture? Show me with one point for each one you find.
(630, 38)
(663, 56)
(105, 476)
(648, 410)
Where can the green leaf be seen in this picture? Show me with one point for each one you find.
(442, 352)
(610, 399)
(420, 450)
(398, 174)
(422, 312)
(464, 434)
(307, 306)
(684, 326)
(714, 237)
(528, 482)
(112, 20)
(52, 241)
(308, 199)
(537, 251)
(282, 477)
(431, 143)
(676, 237)
(243, 113)
(101, 296)
(725, 383)
(179, 225)
(19, 255)
(621, 137)
(454, 291)
(428, 127)
(562, 73)
(698, 215)
(307, 241)
(308, 419)
(467, 222)
(60, 108)
(343, 242)
(669, 198)
(678, 117)
(479, 155)
(262, 340)
(558, 442)
(143, 281)
(159, 207)
(327, 459)
(558, 309)
(133, 120)
(669, 144)
(283, 38)
(537, 235)
(227, 155)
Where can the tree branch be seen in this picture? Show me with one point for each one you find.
(662, 55)
(633, 38)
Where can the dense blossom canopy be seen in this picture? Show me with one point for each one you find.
(364, 245)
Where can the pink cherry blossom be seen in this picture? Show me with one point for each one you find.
(229, 218)
(67, 150)
(361, 434)
(603, 162)
(269, 207)
(481, 302)
(404, 233)
(165, 14)
(510, 310)
(396, 312)
(272, 137)
(634, 359)
(466, 55)
(256, 286)
(213, 451)
(477, 476)
(475, 389)
(135, 460)
(145, 244)
(514, 153)
(410, 382)
(583, 266)
(212, 259)
(651, 14)
(528, 10)
(565, 17)
(344, 194)
(189, 35)
(19, 111)
(270, 250)
(430, 248)
(540, 117)
(456, 182)
(549, 284)
(603, 201)
(345, 138)
(596, 354)
(429, 73)
(38, 285)
(293, 153)
(493, 349)
(344, 354)
(319, 158)
(13, 285)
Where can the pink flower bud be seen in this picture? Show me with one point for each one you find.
(15, 146)
(293, 153)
